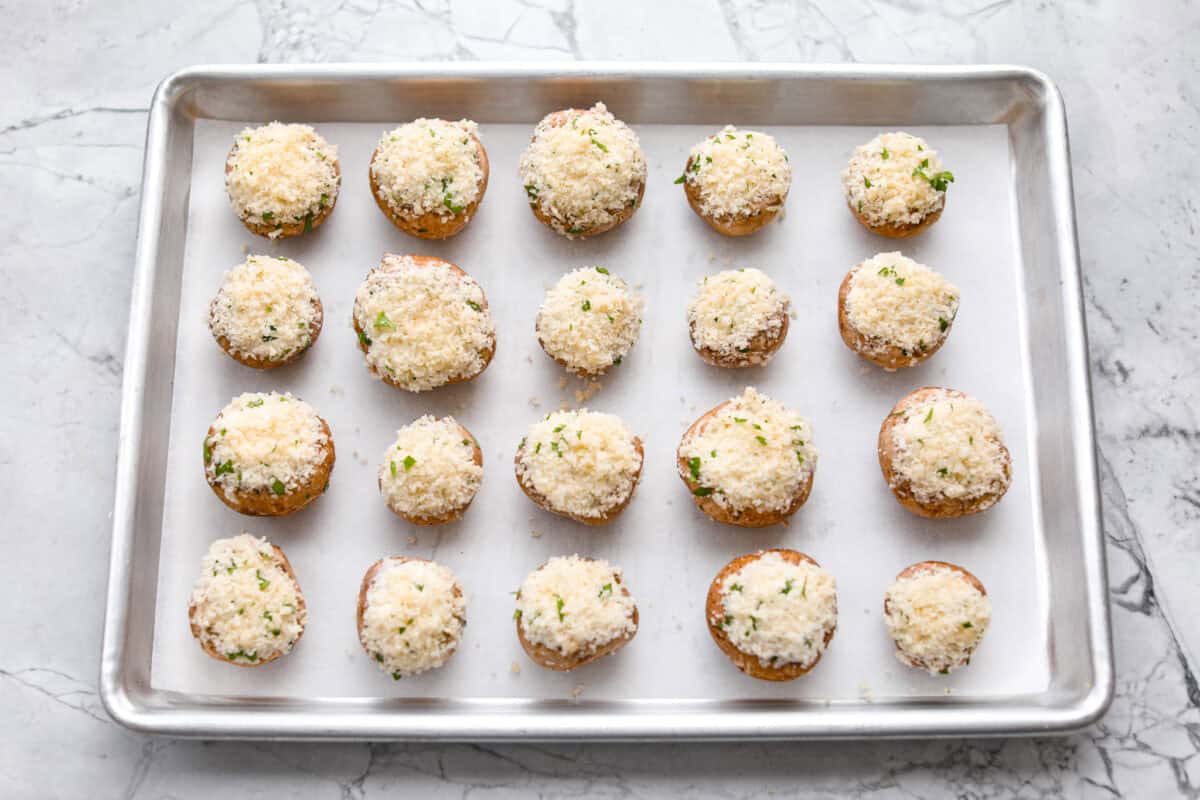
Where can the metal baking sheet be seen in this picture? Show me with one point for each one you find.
(1006, 238)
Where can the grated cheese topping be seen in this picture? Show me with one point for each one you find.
(734, 306)
(430, 470)
(278, 174)
(575, 605)
(424, 325)
(897, 303)
(590, 319)
(429, 166)
(950, 447)
(264, 441)
(779, 611)
(584, 172)
(937, 618)
(246, 606)
(894, 178)
(583, 462)
(414, 616)
(752, 454)
(739, 173)
(266, 308)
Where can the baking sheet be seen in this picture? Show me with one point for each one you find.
(668, 550)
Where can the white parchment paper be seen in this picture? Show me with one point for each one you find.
(669, 551)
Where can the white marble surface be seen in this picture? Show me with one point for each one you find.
(77, 79)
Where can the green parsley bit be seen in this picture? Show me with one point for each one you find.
(408, 463)
(393, 469)
(929, 416)
(278, 487)
(884, 154)
(702, 491)
(207, 453)
(383, 323)
(263, 583)
(739, 419)
(681, 179)
(308, 222)
(586, 305)
(475, 305)
(224, 469)
(787, 587)
(605, 589)
(943, 323)
(602, 270)
(694, 466)
(558, 604)
(967, 625)
(516, 614)
(866, 182)
(761, 440)
(941, 181)
(255, 403)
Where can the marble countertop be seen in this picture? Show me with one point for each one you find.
(79, 79)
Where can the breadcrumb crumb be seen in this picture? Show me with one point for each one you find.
(535, 401)
(515, 668)
(588, 391)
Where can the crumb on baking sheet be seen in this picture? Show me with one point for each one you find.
(588, 391)
(412, 540)
(536, 534)
(794, 314)
(529, 359)
(534, 400)
(336, 390)
(578, 690)
(864, 691)
(562, 381)
(515, 669)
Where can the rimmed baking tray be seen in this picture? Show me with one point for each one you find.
(1007, 238)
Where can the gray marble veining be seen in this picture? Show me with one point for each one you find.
(77, 80)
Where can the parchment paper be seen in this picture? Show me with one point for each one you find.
(669, 551)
